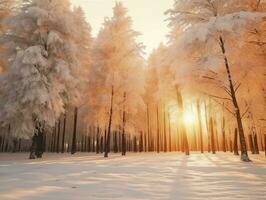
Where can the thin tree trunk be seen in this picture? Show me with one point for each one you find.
(54, 137)
(135, 149)
(235, 143)
(158, 130)
(64, 135)
(170, 134)
(207, 126)
(107, 143)
(74, 138)
(251, 144)
(200, 127)
(243, 145)
(256, 146)
(216, 136)
(58, 136)
(164, 131)
(223, 132)
(124, 141)
(141, 142)
(102, 144)
(115, 143)
(230, 139)
(148, 128)
(33, 147)
(98, 140)
(265, 143)
(212, 136)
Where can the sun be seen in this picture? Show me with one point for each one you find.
(189, 118)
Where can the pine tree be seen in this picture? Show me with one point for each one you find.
(119, 61)
(47, 71)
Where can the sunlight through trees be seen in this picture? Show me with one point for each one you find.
(62, 90)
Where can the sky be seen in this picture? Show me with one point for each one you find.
(148, 18)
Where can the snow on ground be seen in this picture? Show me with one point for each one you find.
(136, 176)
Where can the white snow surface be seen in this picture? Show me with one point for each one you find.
(136, 176)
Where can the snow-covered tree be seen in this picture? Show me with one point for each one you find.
(210, 31)
(47, 42)
(117, 72)
(6, 10)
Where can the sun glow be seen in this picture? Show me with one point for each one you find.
(175, 115)
(189, 118)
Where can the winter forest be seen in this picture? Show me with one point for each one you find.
(197, 100)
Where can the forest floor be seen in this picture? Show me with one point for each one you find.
(136, 176)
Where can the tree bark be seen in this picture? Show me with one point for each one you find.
(124, 140)
(98, 140)
(265, 143)
(158, 130)
(33, 147)
(200, 127)
(170, 134)
(74, 138)
(207, 126)
(251, 145)
(243, 145)
(107, 143)
(141, 142)
(256, 146)
(64, 135)
(115, 142)
(164, 131)
(58, 136)
(212, 136)
(223, 132)
(235, 143)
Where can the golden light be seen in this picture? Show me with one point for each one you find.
(189, 118)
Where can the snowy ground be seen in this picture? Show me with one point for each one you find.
(137, 176)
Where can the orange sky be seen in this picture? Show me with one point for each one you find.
(148, 17)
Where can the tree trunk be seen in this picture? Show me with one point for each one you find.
(243, 145)
(33, 147)
(235, 143)
(74, 138)
(251, 145)
(148, 129)
(115, 143)
(256, 146)
(223, 132)
(265, 143)
(64, 135)
(230, 139)
(58, 136)
(212, 136)
(170, 134)
(107, 143)
(40, 143)
(89, 144)
(135, 149)
(207, 126)
(124, 140)
(216, 136)
(141, 142)
(98, 140)
(158, 130)
(164, 131)
(200, 127)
